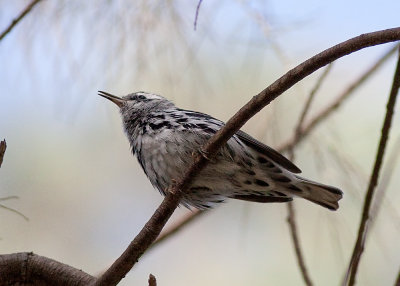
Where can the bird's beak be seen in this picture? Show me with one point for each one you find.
(117, 100)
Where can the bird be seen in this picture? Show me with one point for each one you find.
(164, 138)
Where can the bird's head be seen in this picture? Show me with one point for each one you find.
(138, 103)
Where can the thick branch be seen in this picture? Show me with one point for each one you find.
(362, 231)
(18, 19)
(26, 267)
(153, 227)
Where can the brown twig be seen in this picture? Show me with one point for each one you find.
(3, 147)
(296, 243)
(386, 177)
(152, 280)
(310, 99)
(19, 18)
(153, 227)
(317, 119)
(197, 14)
(290, 206)
(362, 231)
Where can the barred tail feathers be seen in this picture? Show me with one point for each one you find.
(323, 195)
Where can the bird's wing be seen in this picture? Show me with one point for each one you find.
(216, 124)
(267, 151)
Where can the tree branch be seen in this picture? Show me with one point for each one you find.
(397, 283)
(26, 267)
(177, 226)
(290, 206)
(317, 119)
(19, 18)
(362, 231)
(3, 147)
(153, 227)
(197, 14)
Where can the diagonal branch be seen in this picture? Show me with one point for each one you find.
(362, 231)
(19, 18)
(317, 119)
(177, 226)
(153, 227)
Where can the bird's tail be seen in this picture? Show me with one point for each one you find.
(323, 195)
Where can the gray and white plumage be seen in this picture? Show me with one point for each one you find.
(164, 137)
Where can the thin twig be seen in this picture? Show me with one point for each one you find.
(3, 147)
(311, 98)
(290, 206)
(296, 243)
(362, 231)
(153, 227)
(387, 174)
(19, 18)
(177, 226)
(8, 198)
(317, 119)
(14, 211)
(197, 14)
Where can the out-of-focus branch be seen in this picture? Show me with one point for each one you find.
(197, 14)
(291, 219)
(290, 206)
(350, 277)
(310, 98)
(27, 267)
(3, 147)
(317, 119)
(19, 18)
(153, 227)
(387, 174)
(397, 283)
(177, 226)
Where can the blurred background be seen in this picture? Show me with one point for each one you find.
(86, 197)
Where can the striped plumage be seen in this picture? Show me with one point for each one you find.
(163, 137)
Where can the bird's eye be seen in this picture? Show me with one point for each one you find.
(141, 97)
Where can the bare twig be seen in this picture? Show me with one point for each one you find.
(290, 206)
(362, 231)
(152, 280)
(197, 14)
(19, 18)
(154, 226)
(14, 211)
(296, 243)
(317, 119)
(311, 98)
(387, 174)
(177, 226)
(3, 147)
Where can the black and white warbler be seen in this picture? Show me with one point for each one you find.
(164, 137)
